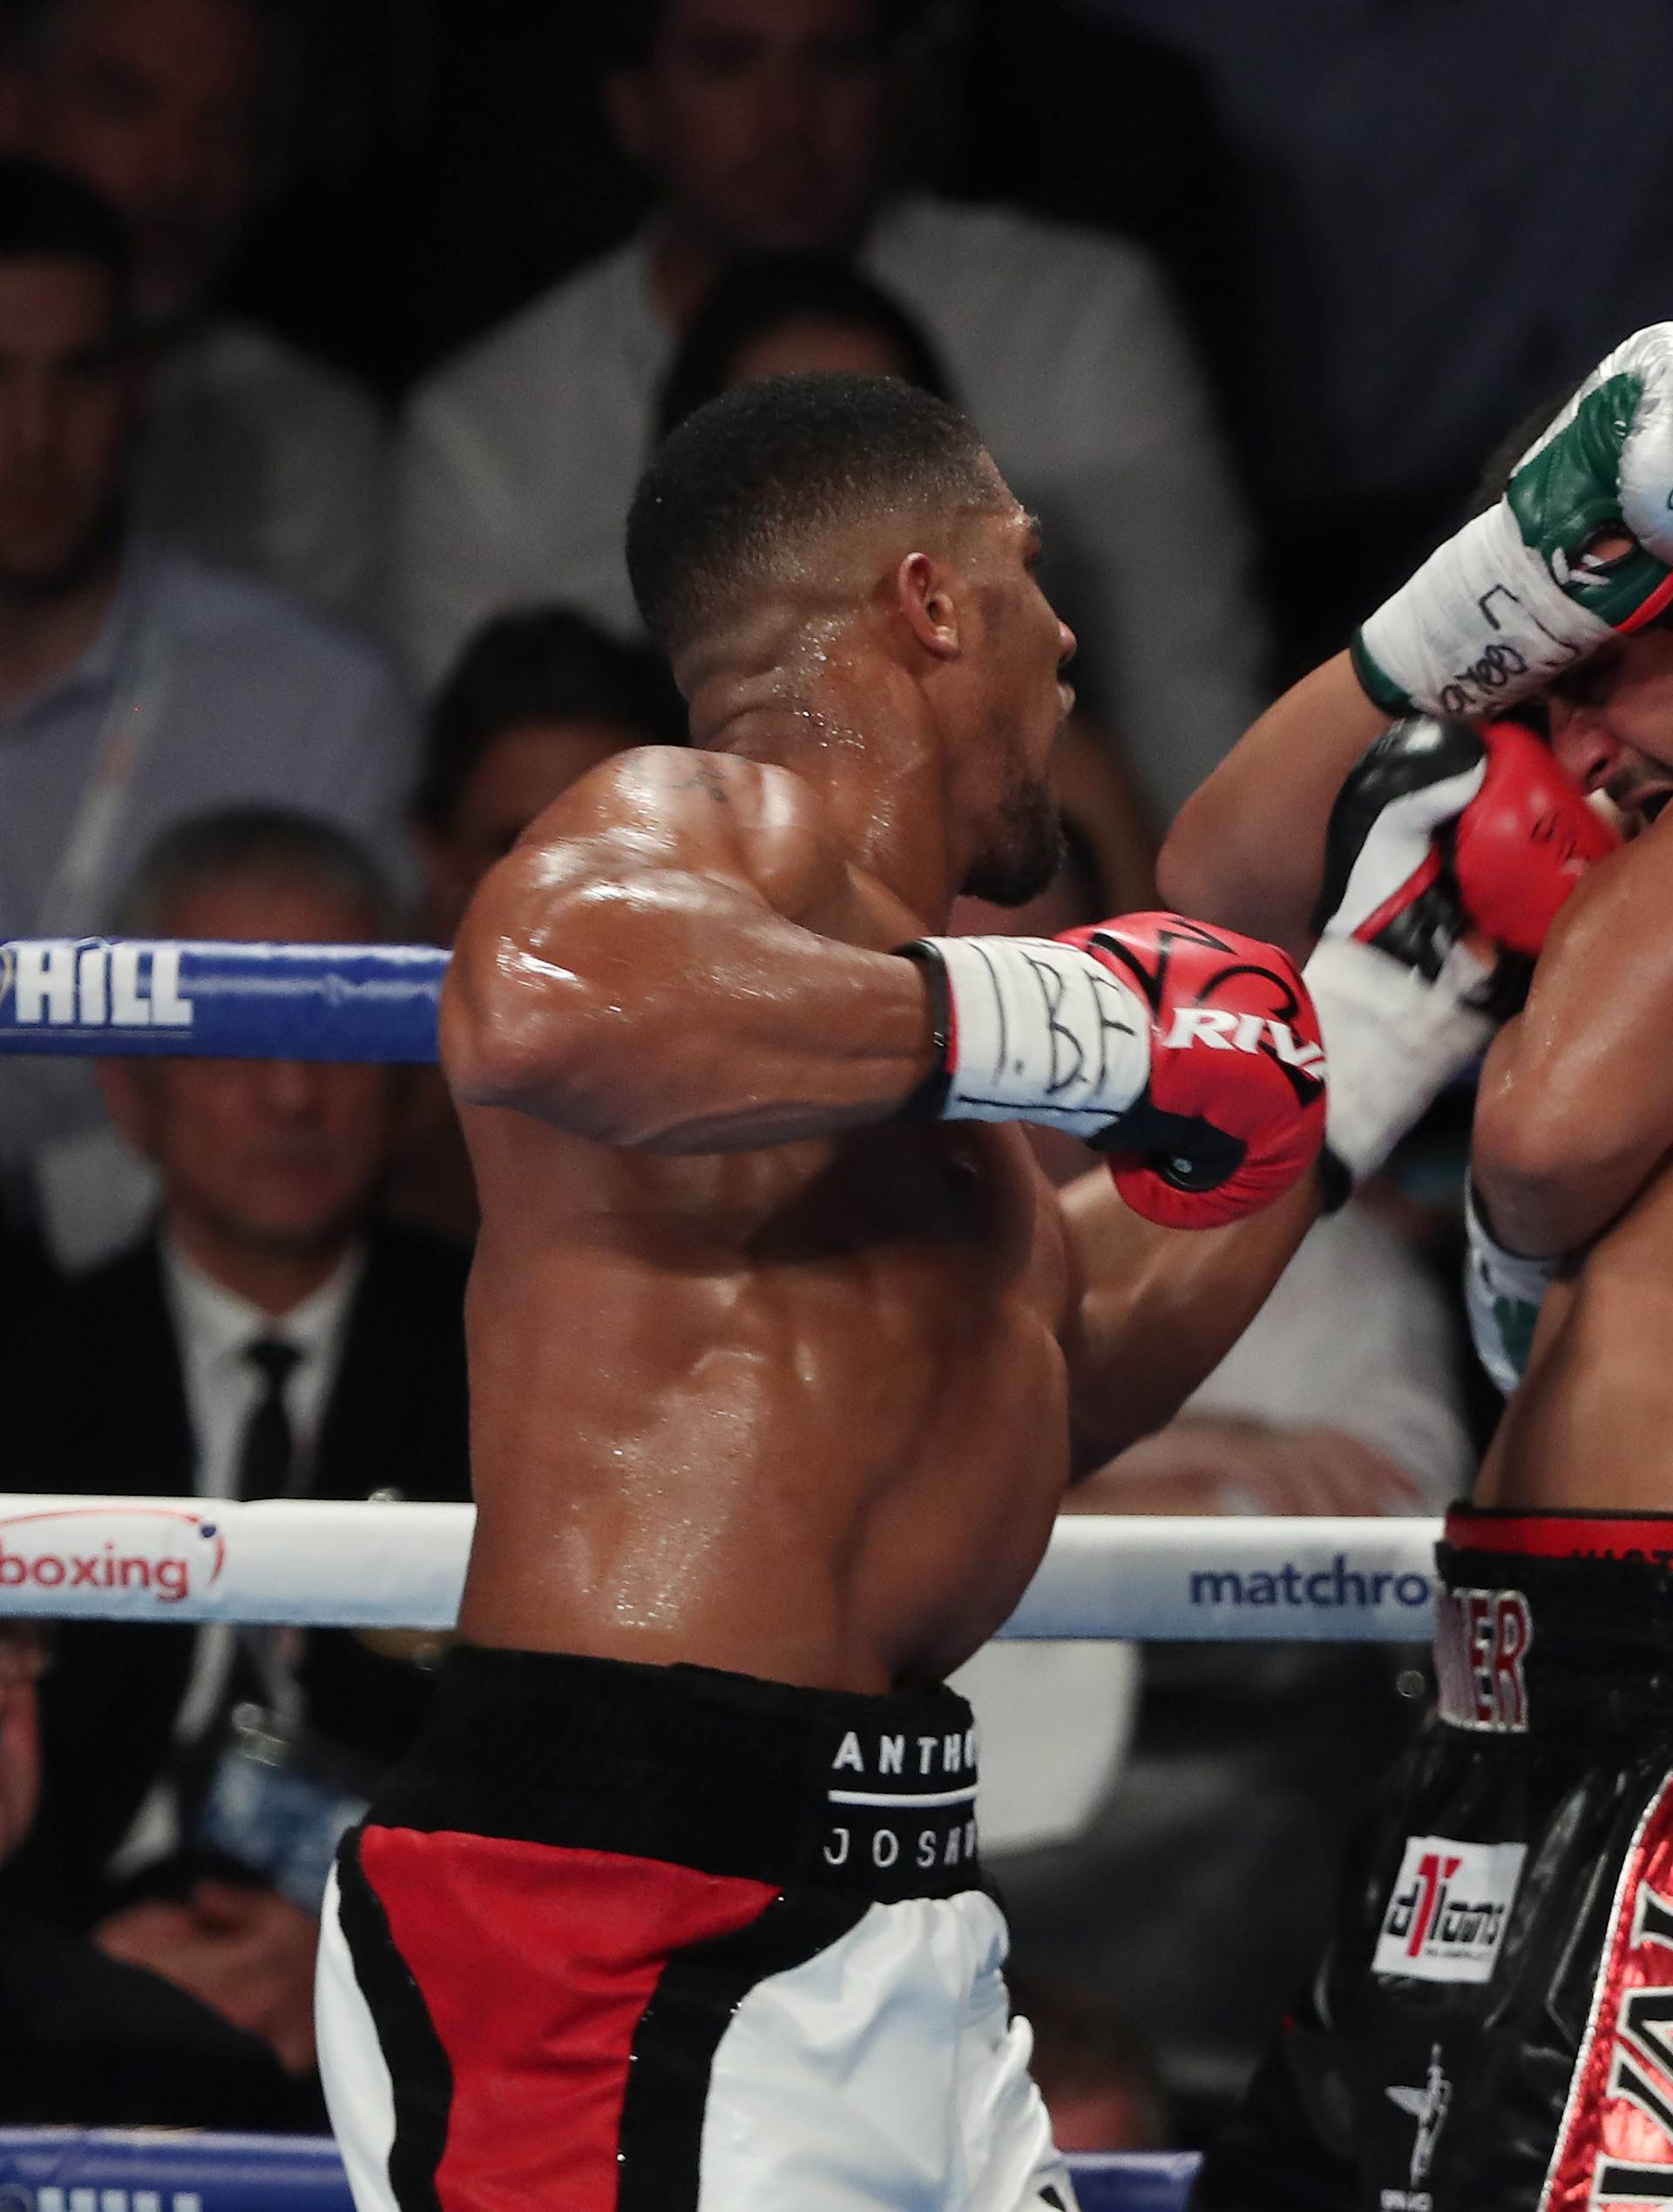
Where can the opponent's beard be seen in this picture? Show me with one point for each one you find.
(1026, 851)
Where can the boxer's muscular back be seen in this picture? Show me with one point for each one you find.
(798, 1411)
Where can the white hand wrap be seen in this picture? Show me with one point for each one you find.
(1503, 1294)
(1481, 624)
(1515, 599)
(1039, 1032)
(1393, 1042)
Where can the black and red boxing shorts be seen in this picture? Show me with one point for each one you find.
(624, 1939)
(1492, 2030)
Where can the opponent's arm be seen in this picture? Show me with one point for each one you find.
(1577, 550)
(647, 969)
(1247, 848)
(1156, 1312)
(1575, 1106)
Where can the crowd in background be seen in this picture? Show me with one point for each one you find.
(333, 337)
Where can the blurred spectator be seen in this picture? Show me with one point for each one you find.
(136, 683)
(537, 700)
(1100, 2084)
(267, 1336)
(84, 2041)
(764, 122)
(255, 454)
(1428, 261)
(780, 314)
(538, 697)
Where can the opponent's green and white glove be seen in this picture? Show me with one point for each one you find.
(1503, 1294)
(1532, 587)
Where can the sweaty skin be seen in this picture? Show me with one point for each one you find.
(762, 1379)
(1573, 1124)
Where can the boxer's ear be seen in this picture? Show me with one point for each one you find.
(924, 596)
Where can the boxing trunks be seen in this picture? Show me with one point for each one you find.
(624, 1939)
(1492, 2030)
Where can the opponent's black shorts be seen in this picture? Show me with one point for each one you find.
(1492, 2030)
(624, 1938)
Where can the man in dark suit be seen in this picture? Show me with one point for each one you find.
(84, 2041)
(266, 1338)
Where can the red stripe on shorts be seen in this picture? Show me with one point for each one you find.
(535, 1964)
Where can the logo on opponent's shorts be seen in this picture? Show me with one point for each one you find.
(1428, 2107)
(1445, 1919)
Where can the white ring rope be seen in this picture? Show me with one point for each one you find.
(385, 1565)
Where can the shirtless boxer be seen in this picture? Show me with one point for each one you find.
(1490, 2029)
(781, 1361)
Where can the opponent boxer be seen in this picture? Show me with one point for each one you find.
(1490, 2028)
(780, 1362)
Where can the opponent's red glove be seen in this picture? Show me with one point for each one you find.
(1190, 1054)
(1441, 835)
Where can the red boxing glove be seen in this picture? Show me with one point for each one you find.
(1440, 831)
(1520, 848)
(1233, 1112)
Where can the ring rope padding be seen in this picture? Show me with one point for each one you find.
(374, 1563)
(219, 1001)
(76, 2169)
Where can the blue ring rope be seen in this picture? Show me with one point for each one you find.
(227, 1001)
(287, 2174)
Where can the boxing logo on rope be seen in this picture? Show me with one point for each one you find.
(148, 1559)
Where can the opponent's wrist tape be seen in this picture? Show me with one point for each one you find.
(1030, 1030)
(1503, 1292)
(1482, 624)
(1393, 1042)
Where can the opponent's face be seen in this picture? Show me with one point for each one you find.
(1612, 724)
(69, 393)
(763, 119)
(261, 1155)
(1015, 704)
(516, 780)
(153, 104)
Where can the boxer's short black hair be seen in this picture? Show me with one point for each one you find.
(748, 484)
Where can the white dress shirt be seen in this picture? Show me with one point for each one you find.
(521, 458)
(215, 1327)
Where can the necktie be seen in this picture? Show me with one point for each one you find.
(268, 1448)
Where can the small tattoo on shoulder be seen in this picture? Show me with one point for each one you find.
(707, 778)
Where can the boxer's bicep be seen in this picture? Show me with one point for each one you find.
(1153, 1311)
(1248, 849)
(635, 971)
(1575, 1110)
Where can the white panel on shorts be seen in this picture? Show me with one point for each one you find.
(881, 2076)
(359, 2095)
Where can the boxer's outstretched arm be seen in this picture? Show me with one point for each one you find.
(1158, 1309)
(649, 967)
(1575, 1110)
(1248, 849)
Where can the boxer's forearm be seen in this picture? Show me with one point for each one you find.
(1574, 1109)
(1159, 1308)
(1248, 849)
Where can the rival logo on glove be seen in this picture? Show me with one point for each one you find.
(1224, 1032)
